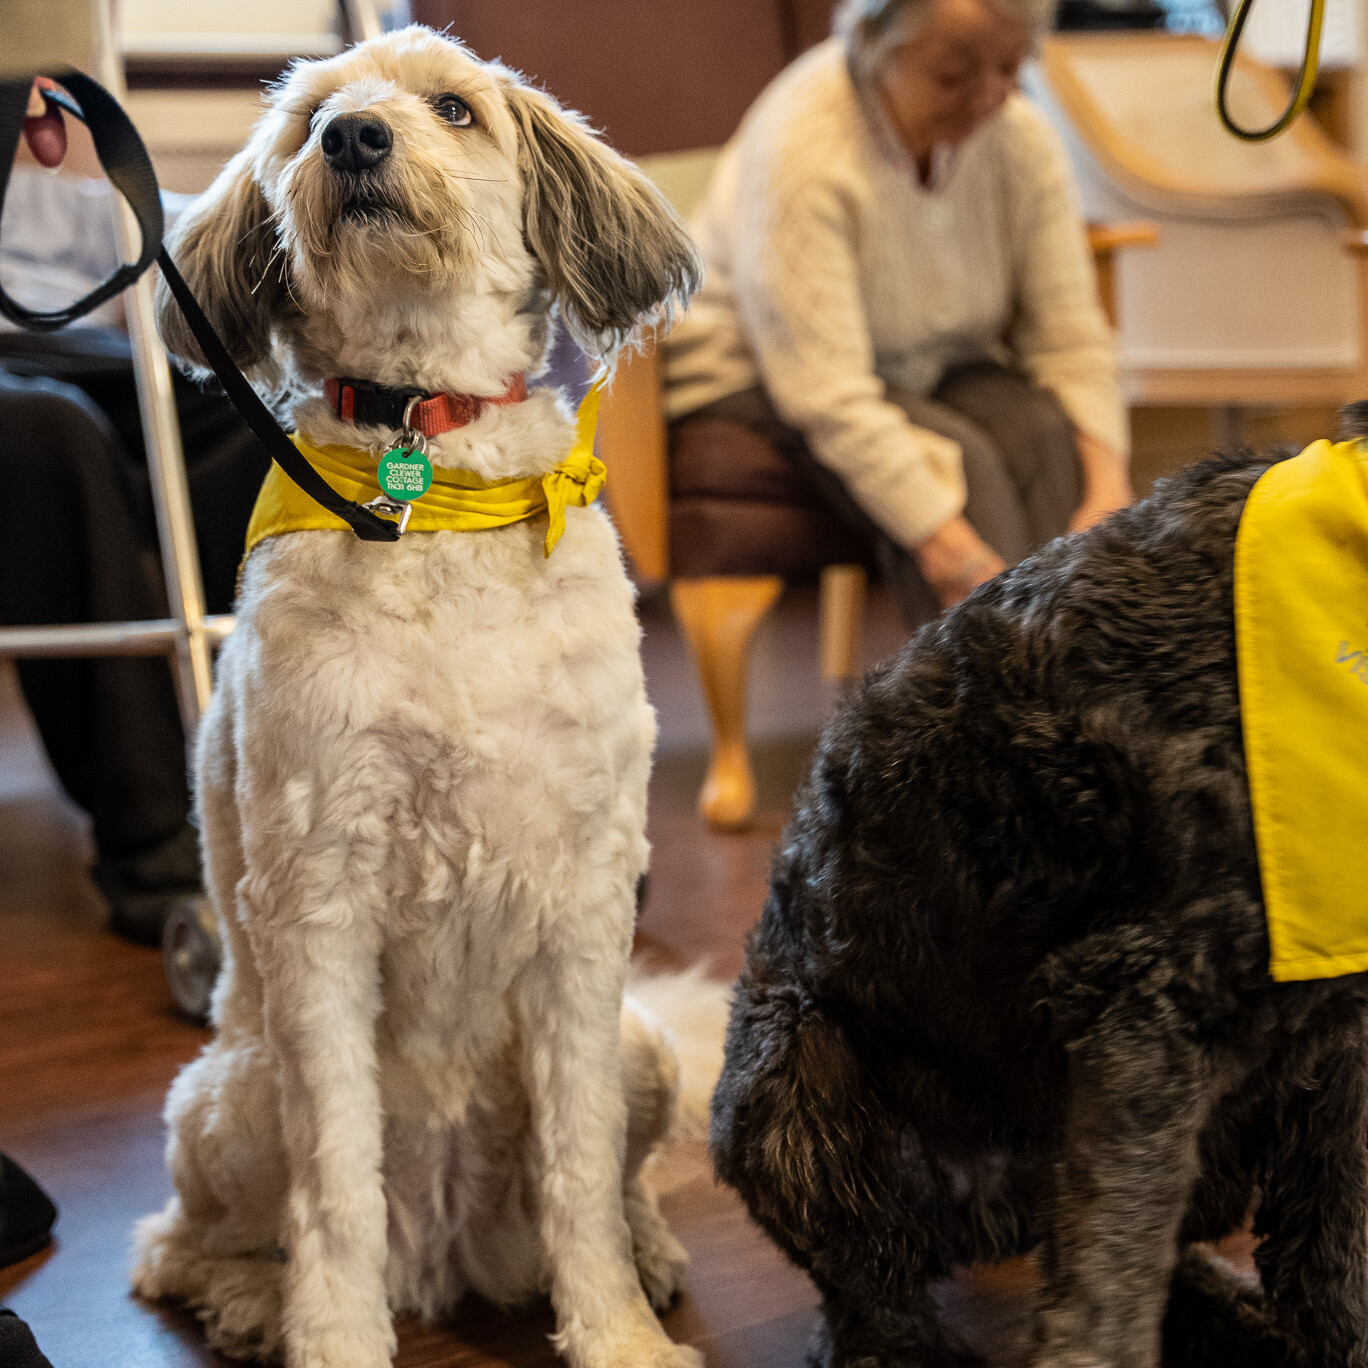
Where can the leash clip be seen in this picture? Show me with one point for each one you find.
(409, 436)
(403, 471)
(391, 508)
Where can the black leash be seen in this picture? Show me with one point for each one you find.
(129, 168)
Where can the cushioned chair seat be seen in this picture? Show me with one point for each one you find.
(739, 506)
(712, 456)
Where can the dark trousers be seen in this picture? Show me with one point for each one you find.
(1021, 466)
(78, 544)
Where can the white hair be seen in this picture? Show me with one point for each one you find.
(873, 28)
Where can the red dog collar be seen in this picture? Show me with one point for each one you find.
(370, 405)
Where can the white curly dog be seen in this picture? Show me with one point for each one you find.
(422, 778)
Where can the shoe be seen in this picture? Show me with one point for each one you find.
(143, 888)
(26, 1216)
(18, 1348)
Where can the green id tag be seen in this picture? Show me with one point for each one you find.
(404, 474)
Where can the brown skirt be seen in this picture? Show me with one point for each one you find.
(747, 497)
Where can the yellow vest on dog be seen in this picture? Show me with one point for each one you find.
(1301, 631)
(456, 501)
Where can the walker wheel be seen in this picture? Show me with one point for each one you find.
(191, 955)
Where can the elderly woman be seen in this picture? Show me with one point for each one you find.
(900, 297)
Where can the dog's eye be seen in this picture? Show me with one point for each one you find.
(454, 110)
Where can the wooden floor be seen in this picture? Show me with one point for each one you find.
(89, 1042)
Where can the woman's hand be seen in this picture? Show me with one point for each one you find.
(955, 560)
(44, 129)
(1106, 483)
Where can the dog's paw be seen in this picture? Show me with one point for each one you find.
(1217, 1317)
(166, 1263)
(639, 1342)
(326, 1336)
(341, 1350)
(669, 1355)
(238, 1299)
(660, 1262)
(241, 1309)
(661, 1271)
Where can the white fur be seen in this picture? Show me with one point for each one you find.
(694, 1010)
(422, 786)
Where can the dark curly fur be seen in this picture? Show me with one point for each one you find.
(1011, 985)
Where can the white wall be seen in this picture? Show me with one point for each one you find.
(291, 27)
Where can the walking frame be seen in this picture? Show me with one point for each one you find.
(190, 635)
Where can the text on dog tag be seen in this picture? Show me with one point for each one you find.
(404, 473)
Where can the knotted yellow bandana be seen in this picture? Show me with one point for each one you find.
(458, 500)
(1301, 630)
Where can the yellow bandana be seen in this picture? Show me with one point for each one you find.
(458, 500)
(1301, 630)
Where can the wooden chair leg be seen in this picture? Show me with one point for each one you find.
(840, 610)
(718, 617)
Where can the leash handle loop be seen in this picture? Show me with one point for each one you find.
(1306, 77)
(129, 168)
(125, 162)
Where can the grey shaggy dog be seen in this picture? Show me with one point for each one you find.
(1011, 989)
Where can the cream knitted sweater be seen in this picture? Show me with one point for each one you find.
(832, 273)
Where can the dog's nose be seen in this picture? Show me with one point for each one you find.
(356, 142)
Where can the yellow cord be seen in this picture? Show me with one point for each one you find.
(1306, 77)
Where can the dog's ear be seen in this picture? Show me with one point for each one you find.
(225, 247)
(614, 251)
